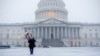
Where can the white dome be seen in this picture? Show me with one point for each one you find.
(51, 3)
(51, 9)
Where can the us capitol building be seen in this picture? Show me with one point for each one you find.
(51, 28)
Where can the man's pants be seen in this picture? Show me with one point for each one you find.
(31, 50)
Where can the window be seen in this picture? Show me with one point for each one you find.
(7, 36)
(95, 29)
(96, 35)
(90, 30)
(85, 35)
(13, 30)
(8, 30)
(91, 35)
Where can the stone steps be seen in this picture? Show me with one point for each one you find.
(52, 42)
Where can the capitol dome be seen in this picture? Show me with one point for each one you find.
(51, 9)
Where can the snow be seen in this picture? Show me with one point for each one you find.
(69, 51)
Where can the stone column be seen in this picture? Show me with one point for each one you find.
(68, 33)
(58, 32)
(61, 32)
(42, 32)
(45, 32)
(77, 36)
(53, 32)
(50, 33)
(34, 33)
(70, 41)
(65, 32)
(72, 33)
(77, 33)
(38, 32)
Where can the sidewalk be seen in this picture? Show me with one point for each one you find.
(51, 52)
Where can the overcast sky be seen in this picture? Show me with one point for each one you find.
(19, 11)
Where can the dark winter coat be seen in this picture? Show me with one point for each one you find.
(31, 43)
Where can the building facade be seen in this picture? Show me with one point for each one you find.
(51, 28)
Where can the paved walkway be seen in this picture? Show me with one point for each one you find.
(51, 52)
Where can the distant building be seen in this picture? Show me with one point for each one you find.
(51, 28)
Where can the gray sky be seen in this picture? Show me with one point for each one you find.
(19, 11)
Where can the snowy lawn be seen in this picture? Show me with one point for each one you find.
(69, 51)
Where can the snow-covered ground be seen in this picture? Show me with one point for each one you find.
(69, 51)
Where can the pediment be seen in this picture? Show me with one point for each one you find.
(52, 21)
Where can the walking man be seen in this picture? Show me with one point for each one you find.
(31, 42)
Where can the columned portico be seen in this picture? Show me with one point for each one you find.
(57, 32)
